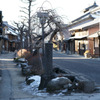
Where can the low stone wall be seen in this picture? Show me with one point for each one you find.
(78, 82)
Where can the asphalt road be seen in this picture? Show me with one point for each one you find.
(78, 64)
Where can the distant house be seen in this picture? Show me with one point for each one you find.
(9, 38)
(83, 32)
(58, 39)
(4, 40)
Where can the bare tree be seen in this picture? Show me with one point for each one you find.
(53, 25)
(21, 30)
(27, 11)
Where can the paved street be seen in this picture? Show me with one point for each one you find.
(78, 64)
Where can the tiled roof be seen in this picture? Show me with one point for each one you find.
(90, 7)
(85, 25)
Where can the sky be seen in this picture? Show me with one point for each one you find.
(69, 9)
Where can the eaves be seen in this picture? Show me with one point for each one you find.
(81, 20)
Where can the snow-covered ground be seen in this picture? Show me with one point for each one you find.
(43, 95)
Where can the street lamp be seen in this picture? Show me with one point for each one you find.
(42, 16)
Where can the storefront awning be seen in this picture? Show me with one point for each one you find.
(5, 38)
(78, 37)
(94, 35)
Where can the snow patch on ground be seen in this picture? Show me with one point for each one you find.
(33, 89)
(57, 78)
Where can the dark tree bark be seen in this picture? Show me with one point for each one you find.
(47, 62)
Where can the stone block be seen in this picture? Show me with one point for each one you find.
(58, 83)
(84, 84)
(22, 60)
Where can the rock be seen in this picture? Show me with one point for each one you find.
(89, 86)
(58, 83)
(70, 76)
(22, 60)
(30, 69)
(24, 65)
(15, 59)
(97, 89)
(22, 53)
(84, 84)
(29, 80)
(26, 71)
(58, 70)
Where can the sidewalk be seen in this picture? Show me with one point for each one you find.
(12, 79)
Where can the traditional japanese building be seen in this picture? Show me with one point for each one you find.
(83, 32)
(9, 38)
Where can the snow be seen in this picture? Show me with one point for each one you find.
(57, 78)
(33, 90)
(33, 87)
(36, 78)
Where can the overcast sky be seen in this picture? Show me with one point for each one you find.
(71, 9)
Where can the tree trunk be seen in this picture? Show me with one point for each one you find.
(47, 65)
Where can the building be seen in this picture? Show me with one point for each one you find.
(9, 38)
(83, 32)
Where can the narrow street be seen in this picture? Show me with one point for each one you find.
(78, 64)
